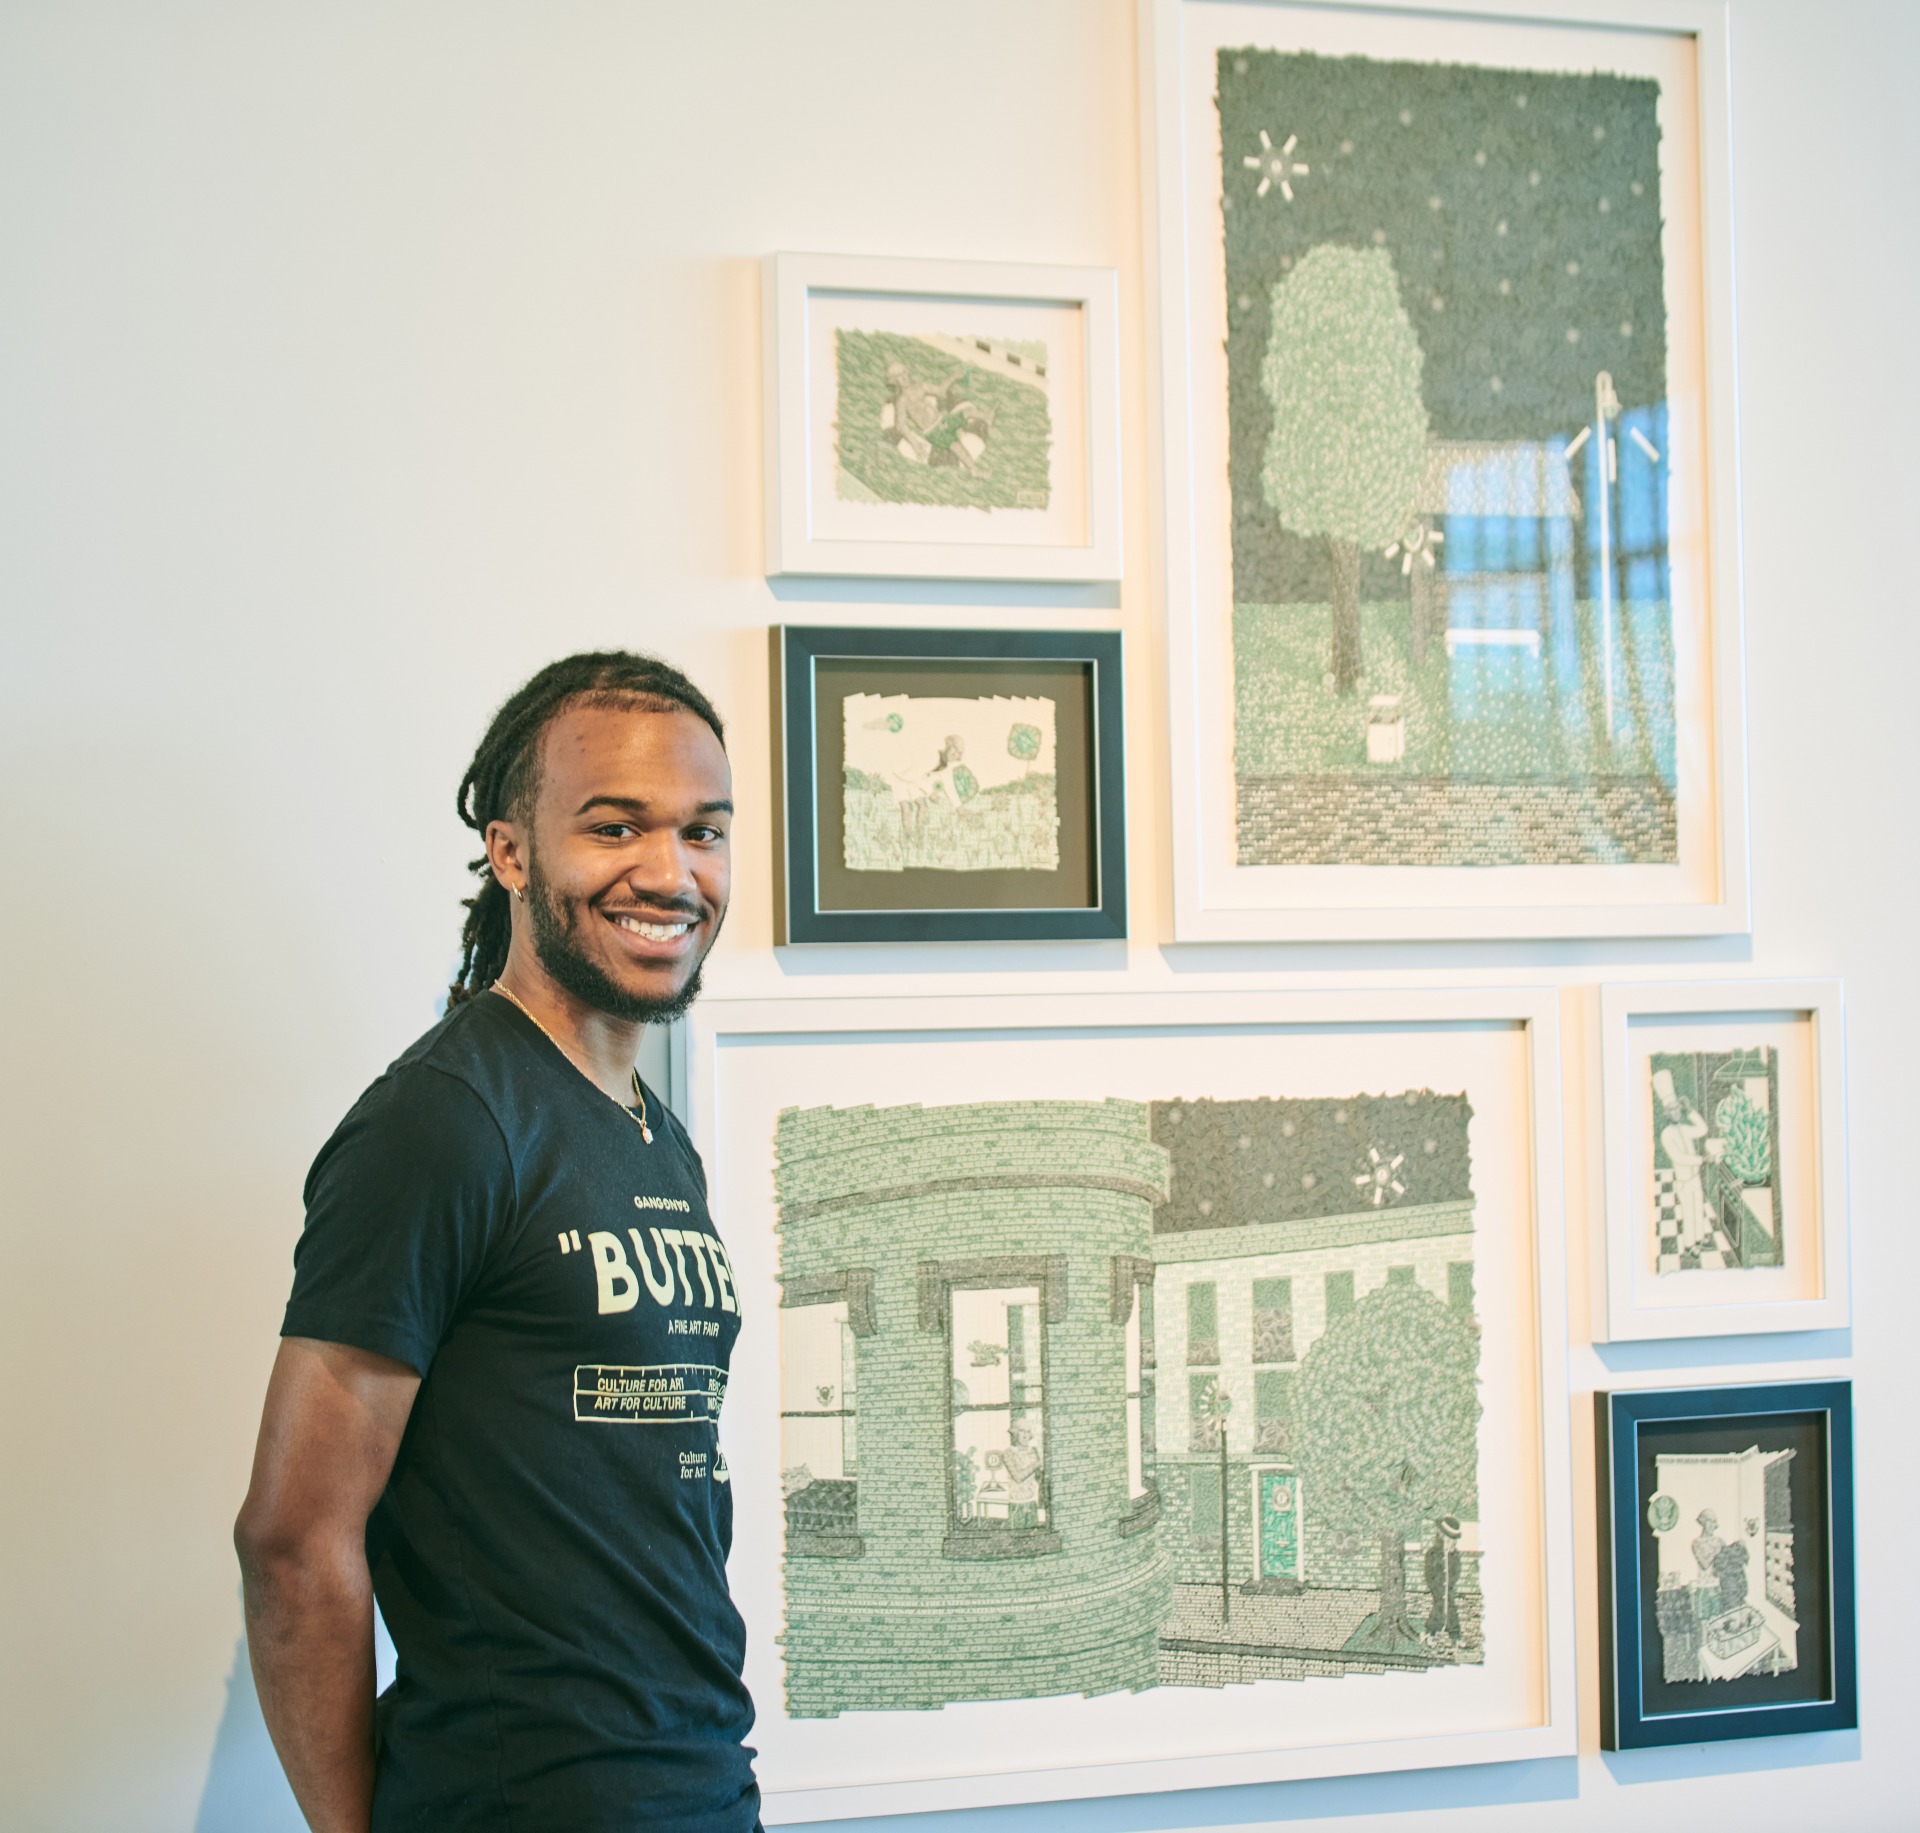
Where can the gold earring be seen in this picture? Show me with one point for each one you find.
(520, 891)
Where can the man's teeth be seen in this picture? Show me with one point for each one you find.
(653, 932)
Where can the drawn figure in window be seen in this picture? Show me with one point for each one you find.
(1019, 1465)
(1443, 1582)
(1681, 1130)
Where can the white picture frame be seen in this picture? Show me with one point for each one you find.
(1793, 1031)
(1216, 897)
(747, 1061)
(1038, 345)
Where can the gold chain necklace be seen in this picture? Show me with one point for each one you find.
(639, 1093)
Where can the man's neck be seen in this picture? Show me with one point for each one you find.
(603, 1048)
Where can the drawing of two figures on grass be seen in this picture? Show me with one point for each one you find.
(1446, 352)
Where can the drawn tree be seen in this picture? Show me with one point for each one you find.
(1349, 440)
(1386, 1409)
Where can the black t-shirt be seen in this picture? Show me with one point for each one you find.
(550, 1552)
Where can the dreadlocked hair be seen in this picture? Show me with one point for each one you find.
(501, 780)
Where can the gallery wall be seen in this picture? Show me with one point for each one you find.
(356, 360)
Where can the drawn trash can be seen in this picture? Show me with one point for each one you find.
(1386, 729)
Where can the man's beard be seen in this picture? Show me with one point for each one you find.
(553, 943)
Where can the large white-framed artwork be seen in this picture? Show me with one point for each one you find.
(1141, 1391)
(941, 419)
(1449, 512)
(1724, 1128)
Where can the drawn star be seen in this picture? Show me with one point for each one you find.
(1378, 1180)
(1275, 167)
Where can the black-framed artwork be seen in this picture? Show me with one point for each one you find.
(948, 785)
(1726, 1561)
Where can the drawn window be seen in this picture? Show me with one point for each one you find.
(1139, 1353)
(1203, 1504)
(1203, 1416)
(1203, 1323)
(1460, 1286)
(997, 1365)
(1273, 1411)
(1401, 1276)
(819, 1446)
(1273, 1320)
(1339, 1295)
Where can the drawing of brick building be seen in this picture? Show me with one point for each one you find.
(1005, 1333)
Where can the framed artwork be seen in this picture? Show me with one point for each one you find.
(941, 419)
(1446, 391)
(948, 785)
(1724, 1154)
(1726, 1562)
(1143, 1391)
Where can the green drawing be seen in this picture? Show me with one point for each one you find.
(1725, 1604)
(960, 422)
(1446, 352)
(949, 785)
(1000, 1285)
(1716, 1196)
(1389, 1410)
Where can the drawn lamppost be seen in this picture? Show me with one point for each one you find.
(1606, 407)
(1218, 1404)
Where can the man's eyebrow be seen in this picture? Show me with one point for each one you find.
(638, 805)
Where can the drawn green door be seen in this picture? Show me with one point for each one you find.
(1279, 1524)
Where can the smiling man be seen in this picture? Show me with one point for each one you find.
(496, 1401)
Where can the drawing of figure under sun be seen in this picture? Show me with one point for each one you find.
(1724, 1526)
(954, 421)
(950, 785)
(1716, 1159)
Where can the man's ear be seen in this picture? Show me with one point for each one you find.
(509, 855)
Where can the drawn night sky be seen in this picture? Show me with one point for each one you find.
(1521, 210)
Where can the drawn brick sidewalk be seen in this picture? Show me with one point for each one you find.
(1361, 820)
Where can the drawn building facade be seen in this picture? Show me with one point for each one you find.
(1005, 1333)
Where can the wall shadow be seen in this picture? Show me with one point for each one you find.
(1416, 1791)
(246, 1790)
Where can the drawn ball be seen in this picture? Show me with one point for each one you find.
(1024, 741)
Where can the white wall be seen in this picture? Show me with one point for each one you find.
(356, 358)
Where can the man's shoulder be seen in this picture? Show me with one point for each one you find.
(455, 1077)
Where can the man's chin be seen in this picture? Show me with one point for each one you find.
(592, 985)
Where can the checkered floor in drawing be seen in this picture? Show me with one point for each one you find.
(1672, 1258)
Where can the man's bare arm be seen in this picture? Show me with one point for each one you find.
(332, 1426)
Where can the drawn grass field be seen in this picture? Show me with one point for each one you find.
(944, 422)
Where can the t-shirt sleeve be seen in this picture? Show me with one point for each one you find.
(404, 1204)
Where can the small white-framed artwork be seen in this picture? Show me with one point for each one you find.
(1141, 1391)
(941, 419)
(1724, 1126)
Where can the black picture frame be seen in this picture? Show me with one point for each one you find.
(818, 899)
(1806, 1429)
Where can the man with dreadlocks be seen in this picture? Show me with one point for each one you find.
(496, 1401)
